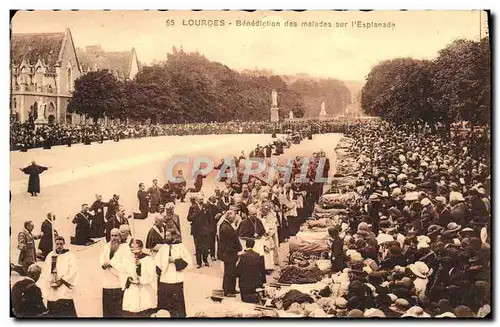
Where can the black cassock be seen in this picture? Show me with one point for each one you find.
(155, 237)
(251, 228)
(34, 181)
(83, 228)
(45, 244)
(98, 223)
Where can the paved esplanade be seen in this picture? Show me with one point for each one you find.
(79, 172)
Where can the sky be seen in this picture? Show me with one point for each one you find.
(346, 53)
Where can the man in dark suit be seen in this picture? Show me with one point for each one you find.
(154, 193)
(251, 273)
(228, 247)
(115, 222)
(200, 229)
(112, 207)
(143, 197)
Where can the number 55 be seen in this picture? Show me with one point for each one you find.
(169, 22)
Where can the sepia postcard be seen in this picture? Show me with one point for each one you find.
(250, 164)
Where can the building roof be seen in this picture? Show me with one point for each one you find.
(34, 46)
(117, 62)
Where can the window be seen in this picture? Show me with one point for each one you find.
(70, 80)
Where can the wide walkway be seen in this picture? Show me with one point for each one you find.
(79, 172)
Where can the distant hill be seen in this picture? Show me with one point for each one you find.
(337, 94)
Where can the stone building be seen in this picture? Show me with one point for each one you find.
(44, 67)
(124, 65)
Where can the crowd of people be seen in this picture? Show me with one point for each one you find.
(407, 228)
(403, 230)
(24, 136)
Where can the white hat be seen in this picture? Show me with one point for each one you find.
(456, 197)
(384, 238)
(416, 312)
(446, 315)
(425, 202)
(441, 199)
(419, 269)
(411, 186)
(411, 196)
(392, 296)
(356, 256)
(423, 238)
(401, 177)
(422, 245)
(374, 313)
(396, 192)
(161, 314)
(393, 185)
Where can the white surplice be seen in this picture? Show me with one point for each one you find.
(169, 275)
(66, 270)
(142, 296)
(270, 223)
(116, 275)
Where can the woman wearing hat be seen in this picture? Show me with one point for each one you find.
(420, 272)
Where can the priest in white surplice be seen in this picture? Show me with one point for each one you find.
(60, 275)
(115, 260)
(140, 299)
(172, 258)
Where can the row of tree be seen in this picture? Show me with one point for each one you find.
(187, 87)
(455, 86)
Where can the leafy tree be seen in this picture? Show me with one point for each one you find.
(462, 82)
(334, 92)
(97, 94)
(399, 90)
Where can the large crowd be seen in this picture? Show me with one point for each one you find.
(24, 136)
(402, 230)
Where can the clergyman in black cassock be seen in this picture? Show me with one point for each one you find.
(34, 180)
(98, 222)
(251, 227)
(156, 234)
(46, 241)
(83, 227)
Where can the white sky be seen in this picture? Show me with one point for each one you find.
(344, 53)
